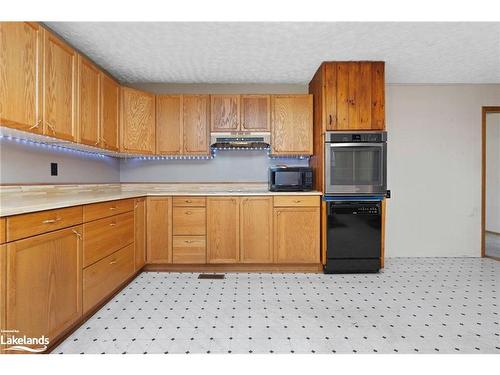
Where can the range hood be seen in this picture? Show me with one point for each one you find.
(240, 141)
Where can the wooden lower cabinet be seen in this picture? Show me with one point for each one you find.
(44, 283)
(103, 277)
(189, 249)
(159, 229)
(297, 235)
(223, 230)
(140, 233)
(3, 289)
(256, 230)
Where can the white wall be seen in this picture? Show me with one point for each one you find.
(493, 172)
(434, 168)
(30, 164)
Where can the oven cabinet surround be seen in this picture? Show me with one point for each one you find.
(57, 266)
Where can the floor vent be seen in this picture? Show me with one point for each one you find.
(210, 276)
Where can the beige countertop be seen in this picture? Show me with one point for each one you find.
(15, 200)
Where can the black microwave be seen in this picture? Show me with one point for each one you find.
(290, 179)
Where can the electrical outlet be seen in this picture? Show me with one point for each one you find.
(53, 169)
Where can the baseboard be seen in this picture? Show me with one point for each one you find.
(239, 267)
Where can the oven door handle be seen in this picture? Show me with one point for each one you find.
(357, 144)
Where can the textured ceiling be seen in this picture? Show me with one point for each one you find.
(275, 52)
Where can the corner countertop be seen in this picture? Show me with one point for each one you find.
(21, 199)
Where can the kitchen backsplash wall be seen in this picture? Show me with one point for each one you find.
(30, 164)
(227, 166)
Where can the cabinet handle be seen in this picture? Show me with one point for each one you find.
(297, 201)
(77, 234)
(188, 241)
(104, 141)
(188, 201)
(112, 224)
(51, 127)
(112, 208)
(51, 221)
(188, 212)
(330, 116)
(113, 262)
(36, 125)
(97, 143)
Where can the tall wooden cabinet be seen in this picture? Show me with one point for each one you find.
(223, 230)
(59, 88)
(44, 283)
(138, 121)
(110, 113)
(159, 229)
(292, 124)
(88, 102)
(21, 76)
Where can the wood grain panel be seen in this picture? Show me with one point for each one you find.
(189, 249)
(3, 231)
(224, 113)
(104, 209)
(169, 124)
(88, 102)
(110, 113)
(296, 201)
(138, 121)
(223, 230)
(44, 283)
(353, 93)
(27, 225)
(189, 221)
(378, 96)
(292, 125)
(103, 277)
(188, 201)
(329, 83)
(59, 88)
(159, 229)
(297, 235)
(105, 236)
(196, 129)
(140, 233)
(342, 96)
(21, 76)
(256, 230)
(255, 113)
(364, 96)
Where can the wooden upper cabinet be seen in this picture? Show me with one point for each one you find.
(354, 95)
(44, 280)
(138, 121)
(256, 229)
(224, 113)
(59, 88)
(169, 124)
(255, 113)
(110, 113)
(88, 102)
(196, 130)
(223, 230)
(20, 76)
(292, 124)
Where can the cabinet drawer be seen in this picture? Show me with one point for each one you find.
(189, 221)
(100, 210)
(105, 236)
(103, 277)
(27, 225)
(296, 201)
(189, 201)
(189, 249)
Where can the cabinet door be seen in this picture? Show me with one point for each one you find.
(256, 229)
(159, 230)
(3, 290)
(195, 119)
(140, 233)
(297, 235)
(88, 102)
(169, 124)
(378, 96)
(44, 280)
(59, 88)
(20, 76)
(292, 125)
(138, 121)
(224, 113)
(110, 113)
(255, 113)
(223, 230)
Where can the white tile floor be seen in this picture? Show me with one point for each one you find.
(416, 305)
